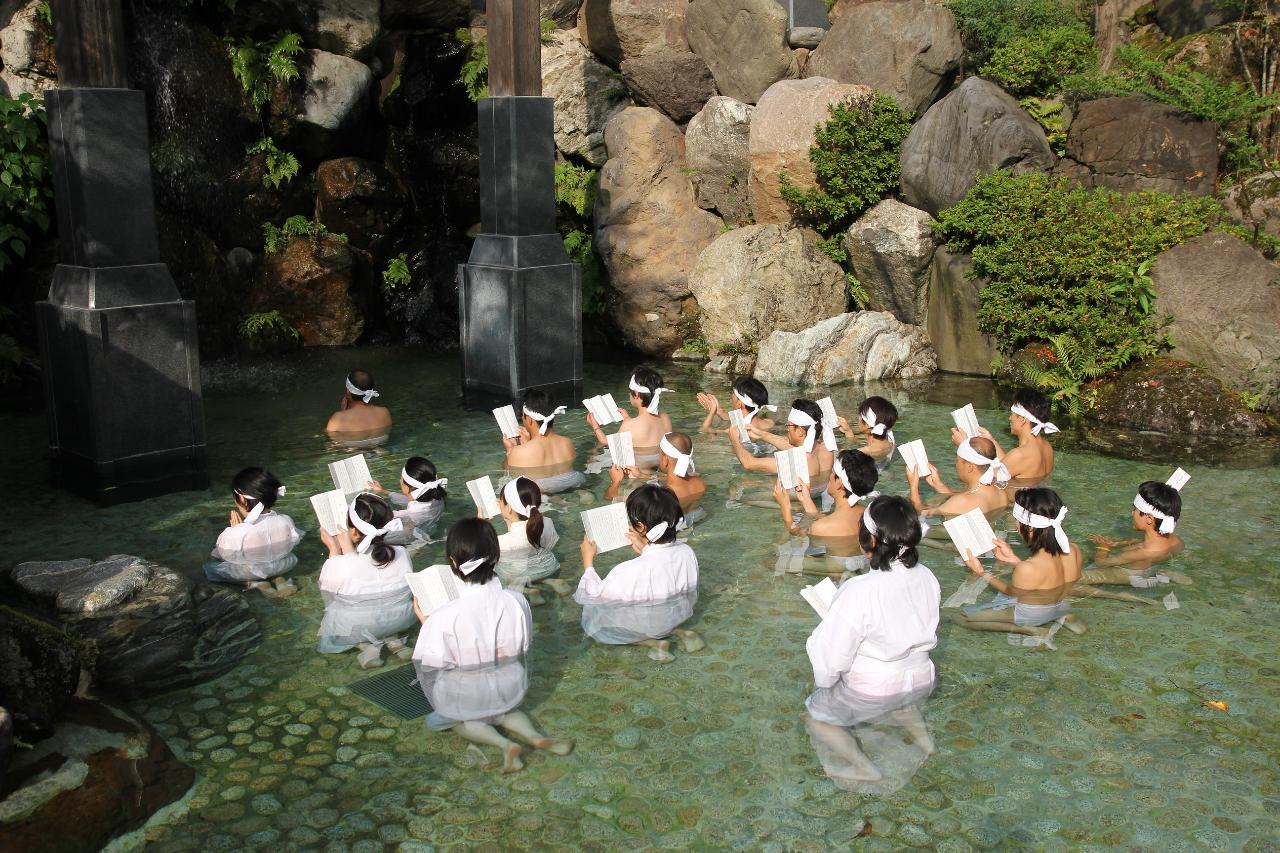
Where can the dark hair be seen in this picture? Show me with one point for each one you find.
(538, 400)
(651, 505)
(530, 496)
(680, 441)
(649, 378)
(886, 413)
(376, 511)
(749, 386)
(421, 469)
(1033, 401)
(897, 533)
(810, 408)
(1045, 502)
(1163, 497)
(860, 469)
(470, 539)
(362, 379)
(257, 485)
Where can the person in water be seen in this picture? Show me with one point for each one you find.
(804, 425)
(1036, 594)
(678, 472)
(876, 417)
(749, 397)
(470, 652)
(870, 653)
(421, 496)
(647, 426)
(1155, 513)
(525, 549)
(982, 473)
(1032, 460)
(539, 452)
(256, 548)
(645, 600)
(853, 482)
(358, 418)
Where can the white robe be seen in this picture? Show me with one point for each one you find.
(249, 552)
(470, 655)
(419, 518)
(644, 598)
(520, 563)
(364, 602)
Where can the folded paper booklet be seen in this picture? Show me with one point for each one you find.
(820, 596)
(434, 587)
(915, 457)
(607, 526)
(967, 419)
(482, 493)
(828, 411)
(506, 418)
(331, 510)
(350, 475)
(793, 467)
(738, 421)
(622, 449)
(1178, 479)
(971, 532)
(603, 409)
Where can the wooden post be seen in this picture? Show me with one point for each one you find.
(88, 40)
(515, 47)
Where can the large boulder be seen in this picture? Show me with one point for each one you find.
(1255, 202)
(563, 12)
(1224, 297)
(334, 97)
(1173, 397)
(744, 43)
(717, 148)
(346, 27)
(309, 282)
(760, 279)
(27, 63)
(973, 131)
(782, 132)
(890, 249)
(676, 83)
(39, 671)
(1180, 18)
(586, 96)
(1132, 144)
(953, 316)
(908, 49)
(360, 199)
(856, 347)
(649, 228)
(625, 29)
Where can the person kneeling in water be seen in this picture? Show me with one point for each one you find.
(1156, 509)
(526, 555)
(539, 453)
(256, 549)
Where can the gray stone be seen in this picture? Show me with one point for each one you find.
(908, 49)
(346, 27)
(973, 131)
(953, 317)
(890, 249)
(717, 148)
(564, 12)
(855, 347)
(1180, 18)
(1255, 202)
(89, 589)
(679, 84)
(806, 37)
(1109, 27)
(26, 54)
(587, 94)
(39, 671)
(744, 43)
(625, 29)
(334, 100)
(763, 278)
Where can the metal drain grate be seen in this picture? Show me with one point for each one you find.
(396, 691)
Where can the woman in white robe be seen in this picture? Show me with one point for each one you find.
(257, 546)
(420, 500)
(526, 546)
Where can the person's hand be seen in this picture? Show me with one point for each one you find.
(913, 477)
(806, 498)
(375, 486)
(708, 402)
(843, 423)
(754, 431)
(616, 474)
(345, 543)
(1003, 552)
(971, 561)
(233, 517)
(637, 540)
(591, 422)
(957, 436)
(331, 542)
(1104, 543)
(345, 403)
(780, 494)
(934, 479)
(588, 551)
(417, 610)
(985, 433)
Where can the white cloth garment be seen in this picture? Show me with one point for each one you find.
(247, 552)
(520, 563)
(421, 515)
(364, 603)
(644, 598)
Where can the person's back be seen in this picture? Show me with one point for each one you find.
(984, 477)
(647, 426)
(539, 451)
(1032, 460)
(678, 470)
(357, 416)
(487, 624)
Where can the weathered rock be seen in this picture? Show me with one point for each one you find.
(731, 364)
(744, 43)
(973, 131)
(807, 38)
(309, 282)
(27, 62)
(853, 347)
(586, 92)
(359, 199)
(626, 29)
(39, 671)
(1180, 18)
(1132, 144)
(782, 132)
(1224, 297)
(760, 279)
(1110, 30)
(346, 27)
(953, 317)
(676, 83)
(649, 229)
(440, 15)
(908, 49)
(80, 587)
(563, 12)
(103, 773)
(717, 148)
(334, 98)
(890, 249)
(1174, 397)
(1256, 202)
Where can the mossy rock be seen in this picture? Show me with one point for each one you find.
(1175, 397)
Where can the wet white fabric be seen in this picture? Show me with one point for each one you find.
(511, 494)
(421, 515)
(1167, 522)
(544, 421)
(1040, 522)
(254, 514)
(996, 471)
(684, 461)
(800, 419)
(368, 531)
(420, 488)
(646, 597)
(869, 418)
(246, 552)
(652, 408)
(364, 602)
(520, 563)
(367, 396)
(754, 407)
(1038, 425)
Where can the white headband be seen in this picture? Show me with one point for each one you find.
(1047, 427)
(1167, 522)
(370, 532)
(877, 428)
(471, 565)
(657, 531)
(870, 524)
(1040, 522)
(684, 461)
(996, 471)
(418, 489)
(544, 421)
(365, 395)
(656, 392)
(511, 494)
(800, 419)
(844, 481)
(254, 514)
(752, 405)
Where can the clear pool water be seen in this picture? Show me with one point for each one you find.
(1104, 743)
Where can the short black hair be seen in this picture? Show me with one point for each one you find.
(809, 407)
(471, 539)
(538, 400)
(886, 412)
(1034, 402)
(648, 378)
(423, 470)
(897, 533)
(362, 379)
(1163, 497)
(1043, 502)
(860, 469)
(753, 389)
(375, 510)
(651, 505)
(257, 484)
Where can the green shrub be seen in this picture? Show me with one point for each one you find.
(474, 75)
(282, 166)
(1048, 114)
(1037, 63)
(259, 65)
(986, 25)
(856, 163)
(25, 190)
(276, 239)
(397, 274)
(267, 325)
(576, 188)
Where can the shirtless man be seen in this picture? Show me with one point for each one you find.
(676, 468)
(853, 479)
(983, 475)
(647, 426)
(1032, 460)
(357, 417)
(804, 427)
(538, 448)
(749, 397)
(876, 417)
(1156, 509)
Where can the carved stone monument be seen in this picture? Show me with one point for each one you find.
(519, 293)
(117, 343)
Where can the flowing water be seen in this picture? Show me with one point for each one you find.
(1105, 742)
